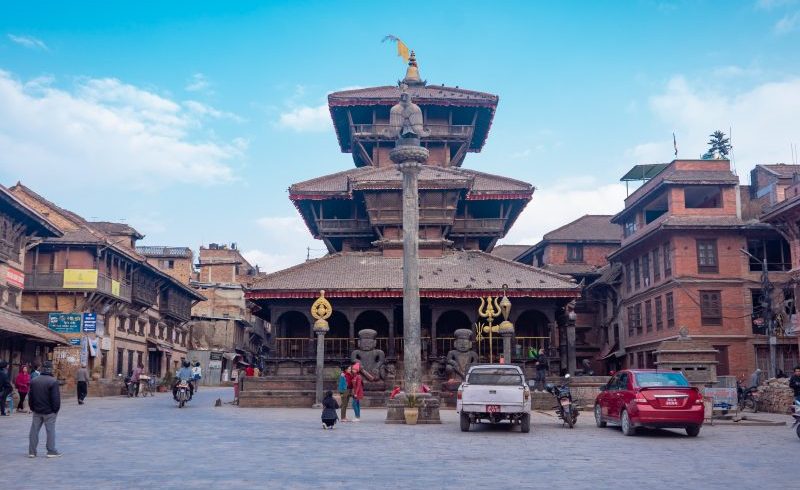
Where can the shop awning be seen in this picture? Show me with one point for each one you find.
(230, 355)
(612, 351)
(16, 324)
(153, 346)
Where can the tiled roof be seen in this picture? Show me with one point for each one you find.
(420, 94)
(509, 252)
(43, 227)
(390, 177)
(454, 271)
(573, 269)
(587, 228)
(610, 275)
(17, 324)
(782, 169)
(160, 251)
(111, 228)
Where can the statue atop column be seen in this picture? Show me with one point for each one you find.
(462, 357)
(370, 358)
(405, 118)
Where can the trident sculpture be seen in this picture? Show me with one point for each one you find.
(489, 309)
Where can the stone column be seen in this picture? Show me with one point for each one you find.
(571, 363)
(412, 362)
(319, 368)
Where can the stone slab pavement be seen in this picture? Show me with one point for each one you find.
(136, 443)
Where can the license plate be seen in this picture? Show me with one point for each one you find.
(565, 402)
(671, 402)
(492, 408)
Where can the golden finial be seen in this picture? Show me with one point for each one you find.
(321, 310)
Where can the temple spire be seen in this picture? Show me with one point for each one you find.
(412, 72)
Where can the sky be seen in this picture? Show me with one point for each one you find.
(189, 120)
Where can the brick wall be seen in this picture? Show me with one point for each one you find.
(182, 268)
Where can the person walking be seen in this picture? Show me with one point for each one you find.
(541, 374)
(358, 392)
(45, 402)
(197, 375)
(82, 382)
(755, 378)
(329, 407)
(23, 383)
(345, 388)
(5, 387)
(136, 376)
(794, 384)
(34, 372)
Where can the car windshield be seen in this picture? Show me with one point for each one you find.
(505, 377)
(654, 380)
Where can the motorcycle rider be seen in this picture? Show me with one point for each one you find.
(184, 374)
(794, 384)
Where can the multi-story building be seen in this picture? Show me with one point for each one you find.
(22, 340)
(177, 262)
(224, 331)
(691, 258)
(92, 285)
(357, 213)
(579, 249)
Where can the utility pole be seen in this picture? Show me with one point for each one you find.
(767, 315)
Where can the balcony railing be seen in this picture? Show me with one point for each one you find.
(348, 227)
(54, 281)
(437, 131)
(478, 226)
(176, 305)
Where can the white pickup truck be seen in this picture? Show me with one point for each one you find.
(493, 393)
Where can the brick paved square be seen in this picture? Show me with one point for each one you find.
(138, 443)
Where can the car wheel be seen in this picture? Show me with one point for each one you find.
(525, 423)
(465, 422)
(693, 430)
(627, 426)
(598, 416)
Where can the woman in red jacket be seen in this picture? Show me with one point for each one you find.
(23, 384)
(358, 391)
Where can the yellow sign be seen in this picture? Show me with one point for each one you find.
(115, 287)
(80, 278)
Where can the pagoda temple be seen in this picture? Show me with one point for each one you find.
(357, 213)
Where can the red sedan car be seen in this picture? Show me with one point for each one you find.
(648, 398)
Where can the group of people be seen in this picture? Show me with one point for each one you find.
(192, 374)
(350, 387)
(21, 382)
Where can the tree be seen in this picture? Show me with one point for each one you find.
(718, 146)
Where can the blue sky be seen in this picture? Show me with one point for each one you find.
(188, 120)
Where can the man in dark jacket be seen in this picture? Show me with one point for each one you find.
(794, 383)
(45, 402)
(5, 387)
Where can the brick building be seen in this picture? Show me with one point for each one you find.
(224, 331)
(579, 249)
(136, 313)
(683, 265)
(178, 262)
(22, 340)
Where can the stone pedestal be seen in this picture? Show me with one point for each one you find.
(428, 409)
(696, 359)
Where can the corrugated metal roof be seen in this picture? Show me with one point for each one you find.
(162, 251)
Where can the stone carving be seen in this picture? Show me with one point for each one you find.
(405, 118)
(462, 357)
(370, 358)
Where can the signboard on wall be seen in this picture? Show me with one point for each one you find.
(215, 356)
(80, 279)
(115, 287)
(15, 278)
(65, 322)
(90, 322)
(75, 341)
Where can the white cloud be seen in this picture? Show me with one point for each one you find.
(198, 83)
(306, 119)
(207, 111)
(562, 203)
(788, 23)
(29, 42)
(771, 4)
(763, 121)
(653, 152)
(286, 240)
(107, 130)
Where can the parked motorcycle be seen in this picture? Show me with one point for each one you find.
(796, 415)
(748, 399)
(566, 409)
(184, 394)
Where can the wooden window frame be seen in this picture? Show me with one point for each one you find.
(648, 315)
(710, 308)
(575, 253)
(669, 307)
(659, 312)
(707, 256)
